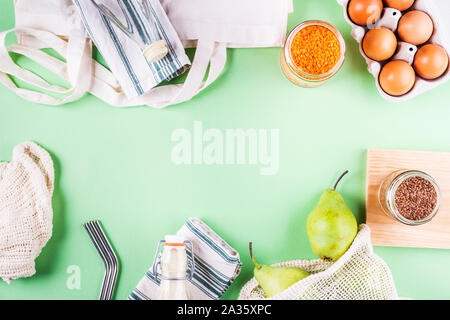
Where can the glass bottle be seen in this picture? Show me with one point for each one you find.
(149, 40)
(174, 268)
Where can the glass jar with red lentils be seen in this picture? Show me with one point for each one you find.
(411, 197)
(313, 53)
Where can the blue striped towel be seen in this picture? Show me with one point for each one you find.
(124, 56)
(217, 264)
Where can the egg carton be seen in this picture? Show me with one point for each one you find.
(438, 10)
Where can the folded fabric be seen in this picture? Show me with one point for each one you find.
(123, 55)
(26, 188)
(237, 23)
(217, 264)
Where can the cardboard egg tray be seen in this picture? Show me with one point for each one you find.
(438, 10)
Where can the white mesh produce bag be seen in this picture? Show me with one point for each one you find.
(358, 275)
(26, 188)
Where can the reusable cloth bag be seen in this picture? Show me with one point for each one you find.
(358, 275)
(210, 26)
(26, 188)
(217, 264)
(48, 24)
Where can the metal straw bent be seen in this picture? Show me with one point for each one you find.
(109, 258)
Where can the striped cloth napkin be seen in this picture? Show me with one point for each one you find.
(217, 264)
(123, 56)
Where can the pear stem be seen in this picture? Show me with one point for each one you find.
(251, 255)
(342, 175)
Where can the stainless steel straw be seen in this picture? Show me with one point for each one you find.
(108, 256)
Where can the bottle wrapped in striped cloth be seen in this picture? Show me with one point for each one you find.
(124, 56)
(217, 264)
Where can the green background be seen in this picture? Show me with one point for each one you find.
(114, 165)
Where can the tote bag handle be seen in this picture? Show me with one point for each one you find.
(77, 70)
(84, 74)
(208, 53)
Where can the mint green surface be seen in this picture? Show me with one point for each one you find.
(114, 165)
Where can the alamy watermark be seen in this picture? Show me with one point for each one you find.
(200, 146)
(73, 281)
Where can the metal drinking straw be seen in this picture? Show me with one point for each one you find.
(109, 257)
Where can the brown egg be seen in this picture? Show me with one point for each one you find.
(397, 78)
(364, 12)
(431, 61)
(399, 4)
(415, 27)
(379, 44)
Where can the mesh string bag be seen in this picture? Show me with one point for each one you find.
(358, 275)
(26, 188)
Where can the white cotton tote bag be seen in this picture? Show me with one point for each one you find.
(210, 26)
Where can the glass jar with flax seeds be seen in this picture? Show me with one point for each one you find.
(313, 53)
(411, 197)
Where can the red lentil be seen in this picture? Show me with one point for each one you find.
(315, 50)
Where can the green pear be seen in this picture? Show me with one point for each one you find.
(331, 226)
(274, 280)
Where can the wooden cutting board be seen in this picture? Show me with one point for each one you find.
(389, 232)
